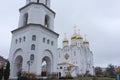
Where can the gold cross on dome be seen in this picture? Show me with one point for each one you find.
(85, 36)
(75, 26)
(78, 30)
(65, 35)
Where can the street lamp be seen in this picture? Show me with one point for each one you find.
(30, 62)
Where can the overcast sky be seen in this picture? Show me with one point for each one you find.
(99, 19)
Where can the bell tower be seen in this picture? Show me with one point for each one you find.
(34, 41)
(37, 12)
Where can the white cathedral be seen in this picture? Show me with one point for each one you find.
(35, 42)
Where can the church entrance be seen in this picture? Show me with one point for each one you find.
(18, 65)
(46, 66)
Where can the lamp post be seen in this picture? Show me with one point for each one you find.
(28, 62)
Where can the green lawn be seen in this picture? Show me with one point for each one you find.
(89, 78)
(105, 78)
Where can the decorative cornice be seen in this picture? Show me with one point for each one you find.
(37, 4)
(36, 25)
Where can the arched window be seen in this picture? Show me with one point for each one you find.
(16, 41)
(37, 1)
(52, 43)
(48, 41)
(32, 57)
(33, 37)
(47, 21)
(25, 19)
(20, 40)
(32, 47)
(24, 38)
(46, 2)
(44, 40)
(60, 67)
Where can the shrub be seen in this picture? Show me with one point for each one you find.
(68, 76)
(27, 76)
(23, 78)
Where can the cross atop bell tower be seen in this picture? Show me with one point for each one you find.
(37, 12)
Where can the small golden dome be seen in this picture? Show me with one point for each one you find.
(74, 36)
(86, 41)
(79, 36)
(65, 40)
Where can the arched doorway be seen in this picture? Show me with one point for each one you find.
(46, 66)
(18, 65)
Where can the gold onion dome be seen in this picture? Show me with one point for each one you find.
(65, 40)
(86, 41)
(74, 36)
(79, 36)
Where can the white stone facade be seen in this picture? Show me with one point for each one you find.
(34, 41)
(76, 56)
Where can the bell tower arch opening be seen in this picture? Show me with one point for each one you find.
(25, 19)
(46, 2)
(38, 1)
(47, 21)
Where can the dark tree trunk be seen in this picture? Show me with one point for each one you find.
(1, 73)
(7, 71)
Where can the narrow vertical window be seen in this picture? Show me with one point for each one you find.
(20, 40)
(16, 41)
(32, 47)
(24, 38)
(44, 40)
(34, 38)
(47, 21)
(37, 1)
(60, 67)
(48, 41)
(25, 19)
(52, 43)
(45, 2)
(32, 57)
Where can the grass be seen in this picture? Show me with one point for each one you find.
(90, 78)
(105, 78)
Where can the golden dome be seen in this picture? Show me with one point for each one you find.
(79, 36)
(74, 36)
(65, 40)
(86, 41)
